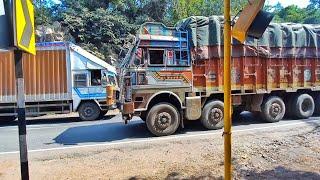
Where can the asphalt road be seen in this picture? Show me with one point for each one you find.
(46, 134)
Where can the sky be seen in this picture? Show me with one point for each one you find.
(285, 3)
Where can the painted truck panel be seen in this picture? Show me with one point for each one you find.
(45, 76)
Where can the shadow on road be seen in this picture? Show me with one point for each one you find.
(102, 133)
(113, 131)
(44, 120)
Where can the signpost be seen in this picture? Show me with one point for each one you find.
(24, 40)
(252, 22)
(227, 90)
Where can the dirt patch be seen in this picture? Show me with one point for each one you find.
(290, 153)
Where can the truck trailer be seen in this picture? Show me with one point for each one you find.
(61, 78)
(175, 74)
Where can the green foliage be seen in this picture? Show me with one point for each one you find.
(104, 26)
(43, 12)
(184, 8)
(309, 15)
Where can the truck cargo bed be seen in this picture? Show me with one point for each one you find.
(45, 76)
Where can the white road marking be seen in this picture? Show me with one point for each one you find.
(154, 139)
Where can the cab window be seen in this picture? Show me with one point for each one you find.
(80, 80)
(139, 57)
(181, 58)
(95, 78)
(156, 57)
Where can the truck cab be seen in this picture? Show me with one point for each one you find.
(91, 82)
(157, 72)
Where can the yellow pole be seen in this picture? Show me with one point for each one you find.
(227, 91)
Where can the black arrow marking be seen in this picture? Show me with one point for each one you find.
(28, 28)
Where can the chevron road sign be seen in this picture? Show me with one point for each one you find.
(24, 36)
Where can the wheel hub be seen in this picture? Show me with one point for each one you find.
(275, 109)
(305, 105)
(88, 111)
(163, 120)
(216, 115)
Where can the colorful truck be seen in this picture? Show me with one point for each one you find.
(61, 78)
(176, 74)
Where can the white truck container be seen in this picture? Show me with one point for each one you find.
(61, 78)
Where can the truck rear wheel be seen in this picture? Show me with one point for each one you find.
(212, 115)
(303, 106)
(89, 111)
(163, 119)
(273, 109)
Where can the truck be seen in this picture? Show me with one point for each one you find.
(61, 78)
(175, 74)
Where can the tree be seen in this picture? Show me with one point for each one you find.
(292, 14)
(43, 12)
(184, 8)
(314, 4)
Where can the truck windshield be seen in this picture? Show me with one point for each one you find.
(112, 80)
(104, 80)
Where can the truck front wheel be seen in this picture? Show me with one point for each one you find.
(212, 115)
(163, 119)
(89, 111)
(273, 109)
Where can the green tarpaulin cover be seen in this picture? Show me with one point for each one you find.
(279, 40)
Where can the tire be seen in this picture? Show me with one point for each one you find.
(212, 115)
(7, 119)
(273, 109)
(89, 111)
(303, 106)
(163, 119)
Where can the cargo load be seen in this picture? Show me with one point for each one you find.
(279, 40)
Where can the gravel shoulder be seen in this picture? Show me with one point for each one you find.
(281, 153)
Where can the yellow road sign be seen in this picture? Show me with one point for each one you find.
(24, 36)
(246, 18)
